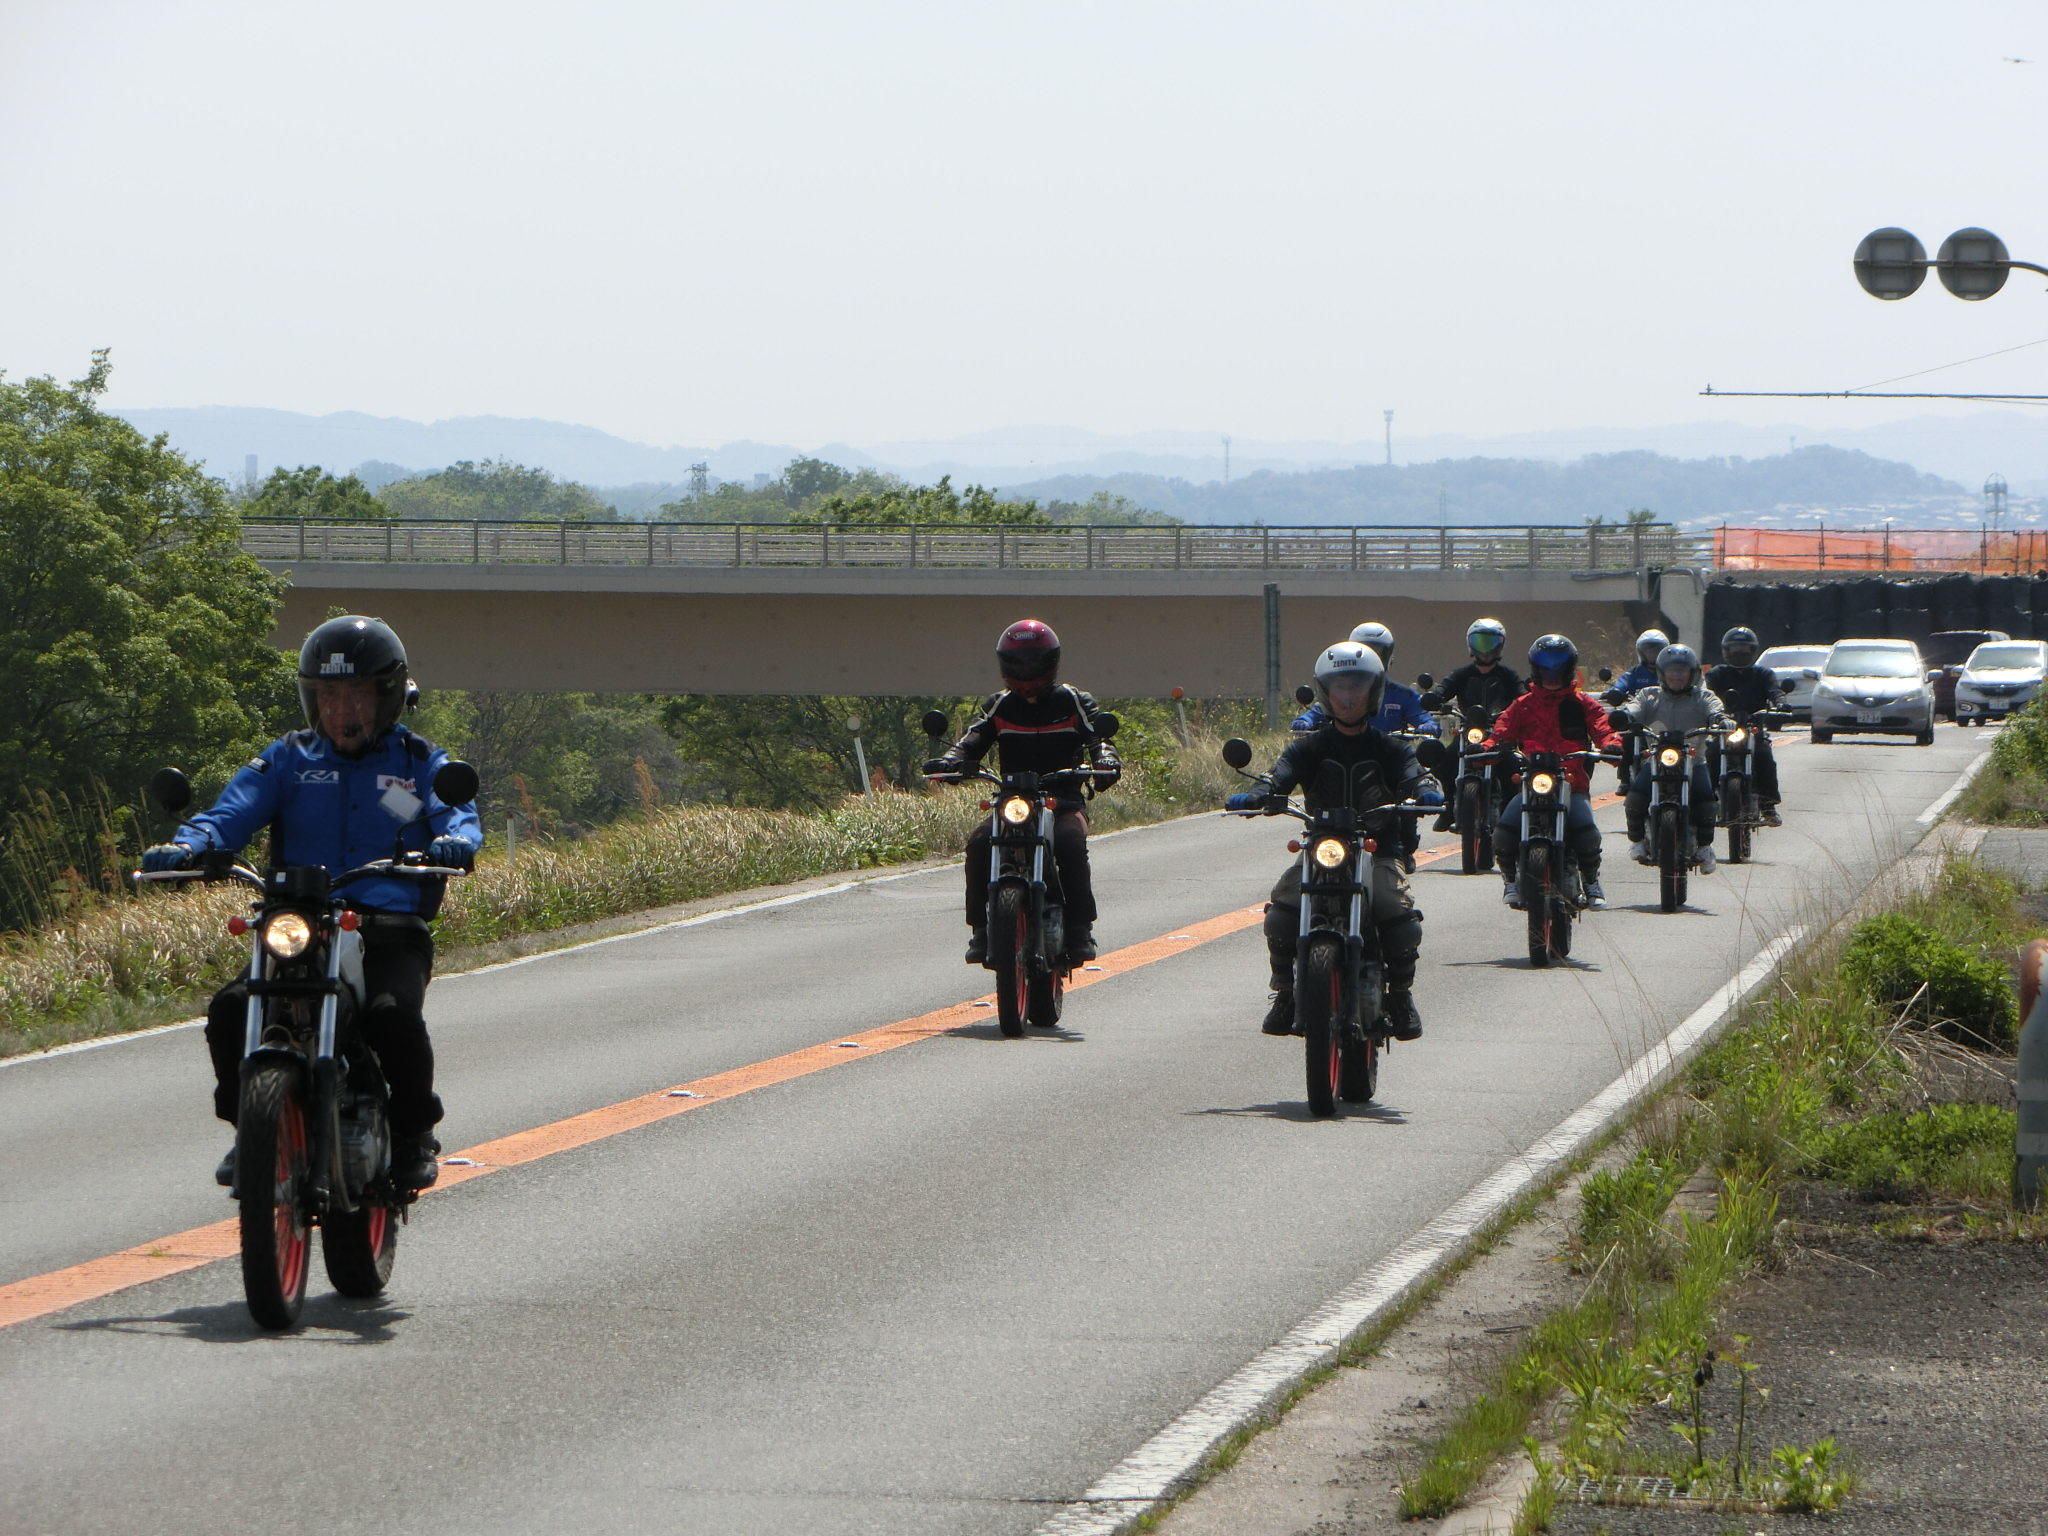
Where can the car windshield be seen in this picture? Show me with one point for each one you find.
(1789, 656)
(1872, 661)
(1995, 657)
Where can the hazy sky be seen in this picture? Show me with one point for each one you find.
(807, 220)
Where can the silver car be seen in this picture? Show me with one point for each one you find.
(1999, 677)
(1875, 686)
(1798, 668)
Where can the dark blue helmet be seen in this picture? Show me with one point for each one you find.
(1554, 659)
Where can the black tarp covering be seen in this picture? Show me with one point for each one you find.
(1787, 613)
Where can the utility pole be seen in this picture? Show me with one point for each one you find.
(1272, 655)
(1226, 458)
(1994, 500)
(700, 480)
(1389, 415)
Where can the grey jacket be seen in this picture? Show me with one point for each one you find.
(1658, 709)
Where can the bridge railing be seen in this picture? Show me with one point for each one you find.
(951, 545)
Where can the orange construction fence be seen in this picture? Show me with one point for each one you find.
(2011, 552)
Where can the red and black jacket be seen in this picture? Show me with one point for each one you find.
(1042, 735)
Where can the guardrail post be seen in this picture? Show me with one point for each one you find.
(1178, 534)
(1354, 549)
(1266, 558)
(476, 541)
(1592, 546)
(739, 550)
(1272, 655)
(1091, 546)
(1532, 549)
(2030, 1146)
(388, 527)
(564, 534)
(912, 530)
(650, 541)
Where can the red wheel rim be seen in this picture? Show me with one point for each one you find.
(288, 1222)
(375, 1226)
(1336, 1031)
(1023, 965)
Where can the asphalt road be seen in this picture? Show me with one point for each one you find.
(940, 1289)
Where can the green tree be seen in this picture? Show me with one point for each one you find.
(495, 490)
(938, 503)
(133, 629)
(786, 752)
(309, 491)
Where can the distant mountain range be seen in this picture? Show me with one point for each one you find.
(1703, 471)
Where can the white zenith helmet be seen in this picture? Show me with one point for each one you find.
(1650, 645)
(1377, 638)
(1349, 658)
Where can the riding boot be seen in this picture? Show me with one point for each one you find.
(1403, 1022)
(415, 1160)
(977, 944)
(1081, 944)
(1280, 1013)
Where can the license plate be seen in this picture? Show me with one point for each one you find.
(1869, 716)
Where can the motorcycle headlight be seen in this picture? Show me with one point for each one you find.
(1541, 783)
(286, 935)
(1475, 735)
(1669, 757)
(1737, 738)
(1016, 810)
(1330, 852)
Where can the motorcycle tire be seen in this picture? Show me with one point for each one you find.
(271, 1173)
(1670, 845)
(1735, 817)
(1538, 906)
(1009, 949)
(1820, 736)
(359, 1246)
(1048, 996)
(1318, 1014)
(1563, 907)
(1474, 846)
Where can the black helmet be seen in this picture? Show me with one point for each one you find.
(1739, 646)
(1028, 650)
(1554, 659)
(354, 647)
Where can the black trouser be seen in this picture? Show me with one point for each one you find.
(1763, 767)
(398, 962)
(1069, 857)
(1581, 835)
(1702, 807)
(1393, 913)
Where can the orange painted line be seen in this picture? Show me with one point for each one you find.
(40, 1295)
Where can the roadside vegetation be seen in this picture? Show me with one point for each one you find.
(1876, 1070)
(2012, 789)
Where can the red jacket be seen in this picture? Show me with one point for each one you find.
(1533, 724)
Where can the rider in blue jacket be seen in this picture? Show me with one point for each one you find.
(348, 790)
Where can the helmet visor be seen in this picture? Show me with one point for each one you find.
(1741, 654)
(1486, 642)
(1554, 664)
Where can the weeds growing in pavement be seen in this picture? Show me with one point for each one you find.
(111, 963)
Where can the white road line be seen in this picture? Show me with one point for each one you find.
(569, 949)
(1169, 1460)
(1947, 798)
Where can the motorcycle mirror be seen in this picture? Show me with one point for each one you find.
(413, 696)
(1605, 674)
(1424, 682)
(1237, 752)
(169, 788)
(1106, 725)
(1304, 694)
(935, 722)
(455, 783)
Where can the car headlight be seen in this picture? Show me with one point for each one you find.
(1016, 810)
(1541, 783)
(1329, 852)
(1669, 757)
(1737, 738)
(1475, 735)
(286, 935)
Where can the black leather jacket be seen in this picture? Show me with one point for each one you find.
(1745, 690)
(1493, 690)
(1334, 770)
(1055, 730)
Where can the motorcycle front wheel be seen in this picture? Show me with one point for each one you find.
(1474, 843)
(1318, 1014)
(1009, 948)
(1538, 906)
(1735, 817)
(271, 1171)
(1670, 845)
(1048, 994)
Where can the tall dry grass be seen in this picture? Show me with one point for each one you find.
(121, 963)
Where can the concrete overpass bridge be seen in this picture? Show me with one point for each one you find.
(775, 609)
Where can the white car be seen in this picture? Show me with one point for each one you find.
(1874, 686)
(1999, 677)
(1798, 668)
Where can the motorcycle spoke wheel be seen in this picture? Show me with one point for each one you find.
(1471, 821)
(1735, 816)
(1534, 880)
(1318, 1009)
(1670, 863)
(1048, 995)
(1009, 946)
(271, 1174)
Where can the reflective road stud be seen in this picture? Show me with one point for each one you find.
(2030, 1152)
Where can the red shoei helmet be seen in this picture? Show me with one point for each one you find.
(1028, 651)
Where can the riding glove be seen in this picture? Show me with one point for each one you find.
(165, 857)
(451, 853)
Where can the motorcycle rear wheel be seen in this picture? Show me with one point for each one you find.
(1048, 995)
(1009, 948)
(1318, 1014)
(1671, 871)
(271, 1172)
(1475, 842)
(1735, 817)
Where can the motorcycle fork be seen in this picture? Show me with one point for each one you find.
(1352, 933)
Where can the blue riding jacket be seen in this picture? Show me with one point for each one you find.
(1400, 710)
(1641, 675)
(339, 812)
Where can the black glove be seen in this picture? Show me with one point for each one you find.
(451, 853)
(938, 765)
(1104, 777)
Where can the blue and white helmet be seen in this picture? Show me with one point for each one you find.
(1348, 658)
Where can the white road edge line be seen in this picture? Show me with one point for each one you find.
(1948, 797)
(569, 949)
(1169, 1460)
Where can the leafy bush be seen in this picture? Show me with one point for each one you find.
(1957, 1149)
(1932, 982)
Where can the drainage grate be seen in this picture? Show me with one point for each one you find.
(1616, 1490)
